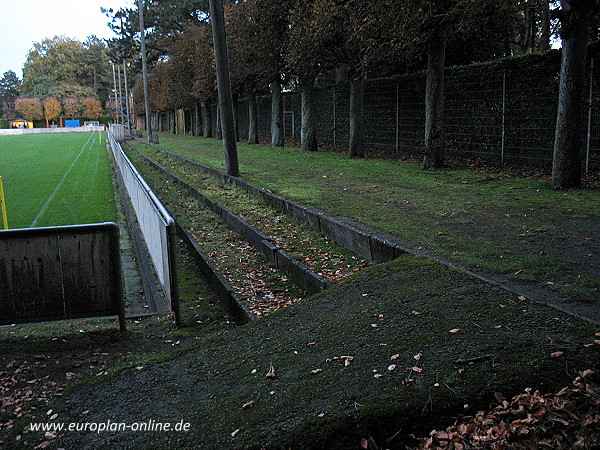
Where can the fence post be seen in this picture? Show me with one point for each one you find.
(589, 124)
(397, 118)
(503, 114)
(334, 121)
(3, 207)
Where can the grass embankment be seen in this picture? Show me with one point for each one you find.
(421, 341)
(41, 365)
(516, 228)
(56, 179)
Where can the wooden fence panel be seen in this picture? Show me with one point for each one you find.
(59, 273)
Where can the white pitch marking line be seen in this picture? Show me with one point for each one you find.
(60, 183)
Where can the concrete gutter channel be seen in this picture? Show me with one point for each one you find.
(374, 245)
(297, 272)
(364, 243)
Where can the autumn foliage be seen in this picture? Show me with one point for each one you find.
(30, 108)
(52, 108)
(92, 108)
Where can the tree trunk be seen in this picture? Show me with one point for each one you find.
(308, 131)
(219, 131)
(529, 40)
(277, 138)
(434, 103)
(236, 116)
(252, 118)
(224, 87)
(206, 119)
(568, 138)
(544, 43)
(172, 122)
(196, 120)
(357, 118)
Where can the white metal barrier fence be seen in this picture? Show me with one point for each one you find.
(156, 224)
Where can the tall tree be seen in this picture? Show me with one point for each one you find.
(271, 18)
(338, 33)
(250, 63)
(73, 107)
(61, 61)
(29, 108)
(204, 69)
(431, 24)
(303, 58)
(568, 141)
(52, 109)
(9, 91)
(92, 108)
(224, 87)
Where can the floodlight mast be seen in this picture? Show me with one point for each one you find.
(145, 71)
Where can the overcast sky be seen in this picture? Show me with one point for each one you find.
(27, 21)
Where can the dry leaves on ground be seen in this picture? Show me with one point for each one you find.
(567, 419)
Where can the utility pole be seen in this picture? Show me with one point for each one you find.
(151, 139)
(217, 21)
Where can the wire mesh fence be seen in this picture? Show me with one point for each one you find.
(502, 110)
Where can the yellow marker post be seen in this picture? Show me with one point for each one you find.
(3, 206)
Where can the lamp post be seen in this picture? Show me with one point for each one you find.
(151, 138)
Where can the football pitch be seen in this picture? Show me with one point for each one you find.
(56, 179)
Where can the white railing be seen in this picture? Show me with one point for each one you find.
(156, 224)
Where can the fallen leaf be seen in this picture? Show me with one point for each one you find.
(235, 433)
(347, 360)
(316, 371)
(415, 369)
(392, 367)
(455, 330)
(248, 405)
(556, 354)
(377, 375)
(522, 298)
(417, 356)
(394, 357)
(271, 373)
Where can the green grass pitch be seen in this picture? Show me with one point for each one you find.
(56, 179)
